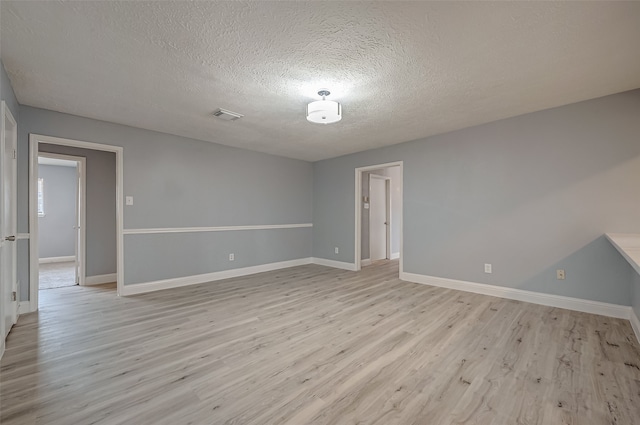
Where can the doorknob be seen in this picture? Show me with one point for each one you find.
(10, 238)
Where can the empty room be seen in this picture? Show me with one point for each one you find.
(319, 212)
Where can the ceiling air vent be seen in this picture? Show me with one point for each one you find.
(223, 114)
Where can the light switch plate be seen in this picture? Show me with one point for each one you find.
(128, 200)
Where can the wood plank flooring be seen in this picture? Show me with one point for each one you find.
(314, 345)
(57, 275)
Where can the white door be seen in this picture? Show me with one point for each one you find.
(80, 217)
(377, 218)
(76, 226)
(8, 213)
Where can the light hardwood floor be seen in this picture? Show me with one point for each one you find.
(57, 275)
(314, 345)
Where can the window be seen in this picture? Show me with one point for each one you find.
(40, 197)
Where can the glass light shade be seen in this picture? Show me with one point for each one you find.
(324, 112)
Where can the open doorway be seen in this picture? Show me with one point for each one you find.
(61, 220)
(376, 218)
(97, 234)
(378, 213)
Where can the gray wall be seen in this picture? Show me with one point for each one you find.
(7, 94)
(180, 182)
(529, 194)
(100, 249)
(56, 228)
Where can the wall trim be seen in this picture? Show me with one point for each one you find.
(334, 264)
(635, 323)
(22, 236)
(213, 229)
(395, 255)
(100, 279)
(141, 288)
(64, 259)
(569, 303)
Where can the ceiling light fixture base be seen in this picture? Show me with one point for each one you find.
(324, 111)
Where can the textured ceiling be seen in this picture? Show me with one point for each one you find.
(402, 70)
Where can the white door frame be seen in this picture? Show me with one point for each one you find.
(7, 117)
(81, 196)
(358, 210)
(34, 140)
(387, 213)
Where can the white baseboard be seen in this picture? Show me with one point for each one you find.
(569, 303)
(141, 288)
(367, 261)
(57, 259)
(100, 279)
(334, 264)
(635, 323)
(25, 307)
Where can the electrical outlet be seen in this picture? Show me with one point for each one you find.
(232, 257)
(336, 250)
(487, 268)
(560, 274)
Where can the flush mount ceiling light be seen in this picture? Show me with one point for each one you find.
(324, 111)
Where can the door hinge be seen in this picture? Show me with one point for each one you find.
(15, 154)
(14, 296)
